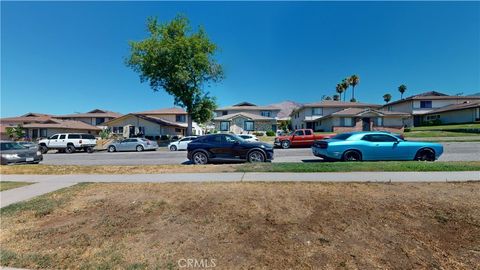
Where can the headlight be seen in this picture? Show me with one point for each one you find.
(10, 156)
(39, 153)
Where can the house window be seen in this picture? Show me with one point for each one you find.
(224, 126)
(433, 117)
(43, 132)
(99, 120)
(317, 111)
(477, 114)
(117, 130)
(379, 121)
(426, 104)
(181, 118)
(346, 122)
(178, 130)
(266, 113)
(248, 126)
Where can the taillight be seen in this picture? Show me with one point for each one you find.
(321, 144)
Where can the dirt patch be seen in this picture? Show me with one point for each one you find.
(250, 226)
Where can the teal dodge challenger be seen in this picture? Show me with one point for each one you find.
(356, 146)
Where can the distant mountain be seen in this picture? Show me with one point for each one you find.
(286, 108)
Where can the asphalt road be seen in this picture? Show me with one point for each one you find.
(453, 151)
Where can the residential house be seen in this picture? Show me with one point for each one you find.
(153, 123)
(466, 112)
(329, 115)
(37, 125)
(422, 104)
(246, 117)
(94, 117)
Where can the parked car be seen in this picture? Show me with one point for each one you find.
(300, 138)
(68, 142)
(132, 144)
(357, 146)
(13, 152)
(181, 144)
(227, 147)
(249, 137)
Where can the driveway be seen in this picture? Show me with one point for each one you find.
(453, 151)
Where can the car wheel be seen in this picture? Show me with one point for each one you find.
(285, 144)
(352, 155)
(425, 155)
(43, 149)
(89, 149)
(111, 149)
(256, 156)
(173, 148)
(70, 149)
(200, 158)
(139, 148)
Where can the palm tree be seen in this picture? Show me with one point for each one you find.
(336, 97)
(345, 84)
(402, 88)
(387, 98)
(340, 89)
(353, 81)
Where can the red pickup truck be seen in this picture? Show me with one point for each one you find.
(301, 138)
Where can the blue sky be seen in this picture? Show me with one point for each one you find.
(64, 57)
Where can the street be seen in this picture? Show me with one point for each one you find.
(453, 151)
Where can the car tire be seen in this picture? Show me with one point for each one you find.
(139, 148)
(173, 148)
(285, 144)
(89, 149)
(112, 149)
(425, 154)
(352, 155)
(70, 149)
(200, 158)
(43, 149)
(256, 156)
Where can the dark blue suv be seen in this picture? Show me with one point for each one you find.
(227, 147)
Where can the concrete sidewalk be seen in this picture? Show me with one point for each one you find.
(49, 183)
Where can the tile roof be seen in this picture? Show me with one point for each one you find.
(245, 114)
(164, 111)
(360, 111)
(62, 124)
(456, 107)
(150, 119)
(92, 113)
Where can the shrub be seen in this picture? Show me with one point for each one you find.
(270, 133)
(258, 134)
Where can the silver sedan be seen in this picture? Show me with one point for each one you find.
(132, 144)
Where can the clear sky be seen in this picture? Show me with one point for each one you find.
(64, 57)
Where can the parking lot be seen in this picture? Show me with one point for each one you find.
(454, 151)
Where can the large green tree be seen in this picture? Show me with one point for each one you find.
(345, 84)
(339, 88)
(180, 61)
(353, 81)
(402, 88)
(387, 98)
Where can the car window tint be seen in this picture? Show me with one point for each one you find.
(230, 139)
(379, 138)
(88, 137)
(308, 132)
(299, 133)
(74, 136)
(62, 137)
(54, 137)
(343, 136)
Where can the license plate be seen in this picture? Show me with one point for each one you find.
(29, 159)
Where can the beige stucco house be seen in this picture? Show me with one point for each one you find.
(246, 117)
(94, 117)
(421, 105)
(467, 112)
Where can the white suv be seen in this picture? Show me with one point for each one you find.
(68, 142)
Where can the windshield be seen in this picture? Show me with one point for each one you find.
(11, 146)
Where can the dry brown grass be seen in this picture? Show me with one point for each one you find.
(248, 226)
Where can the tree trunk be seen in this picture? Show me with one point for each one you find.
(353, 92)
(190, 124)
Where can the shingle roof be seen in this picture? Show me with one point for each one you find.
(150, 119)
(431, 95)
(92, 113)
(164, 111)
(245, 114)
(455, 107)
(360, 111)
(62, 124)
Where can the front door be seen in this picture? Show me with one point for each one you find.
(366, 124)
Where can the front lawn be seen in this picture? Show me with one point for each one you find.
(317, 166)
(447, 127)
(246, 226)
(6, 185)
(439, 133)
